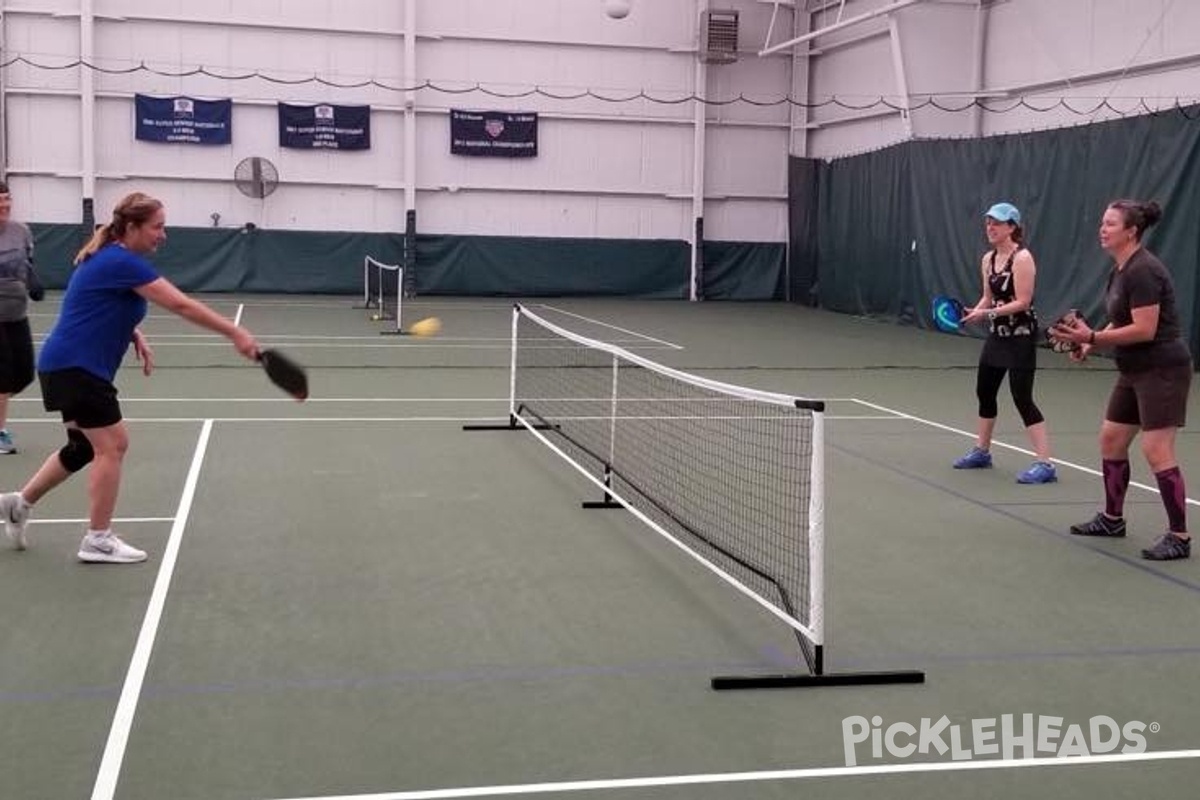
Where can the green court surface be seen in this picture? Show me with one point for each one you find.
(355, 598)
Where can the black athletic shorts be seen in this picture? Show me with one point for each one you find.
(81, 397)
(16, 356)
(1153, 399)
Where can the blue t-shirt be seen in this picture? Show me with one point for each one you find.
(99, 313)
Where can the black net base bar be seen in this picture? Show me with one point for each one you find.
(802, 680)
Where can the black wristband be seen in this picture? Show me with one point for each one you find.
(1092, 338)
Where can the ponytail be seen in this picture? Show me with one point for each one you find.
(134, 209)
(103, 235)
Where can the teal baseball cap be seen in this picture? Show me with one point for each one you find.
(1004, 212)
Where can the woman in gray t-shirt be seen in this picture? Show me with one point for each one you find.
(17, 284)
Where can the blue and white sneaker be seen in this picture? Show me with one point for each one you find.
(1039, 472)
(976, 458)
(6, 442)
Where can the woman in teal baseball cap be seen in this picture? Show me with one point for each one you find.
(1006, 304)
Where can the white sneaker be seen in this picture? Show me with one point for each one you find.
(108, 549)
(15, 513)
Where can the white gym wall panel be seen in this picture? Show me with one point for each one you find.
(609, 169)
(1135, 54)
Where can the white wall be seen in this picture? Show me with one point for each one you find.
(1120, 50)
(604, 169)
(1042, 51)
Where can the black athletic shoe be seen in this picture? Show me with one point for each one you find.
(1100, 525)
(1168, 547)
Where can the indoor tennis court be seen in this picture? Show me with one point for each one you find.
(639, 340)
(353, 597)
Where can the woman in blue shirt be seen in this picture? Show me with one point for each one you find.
(106, 298)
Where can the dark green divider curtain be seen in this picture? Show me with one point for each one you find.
(54, 249)
(528, 267)
(744, 270)
(228, 260)
(804, 185)
(900, 225)
(312, 261)
(258, 260)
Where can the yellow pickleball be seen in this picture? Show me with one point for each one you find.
(425, 327)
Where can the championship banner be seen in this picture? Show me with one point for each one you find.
(325, 127)
(183, 119)
(493, 133)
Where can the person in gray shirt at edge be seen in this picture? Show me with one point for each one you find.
(18, 282)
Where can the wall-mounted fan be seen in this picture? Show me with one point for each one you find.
(256, 177)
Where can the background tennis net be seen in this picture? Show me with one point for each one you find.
(384, 291)
(731, 475)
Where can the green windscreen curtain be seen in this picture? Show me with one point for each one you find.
(54, 248)
(804, 194)
(744, 270)
(239, 260)
(533, 266)
(232, 260)
(260, 260)
(899, 225)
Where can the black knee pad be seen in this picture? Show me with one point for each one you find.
(77, 453)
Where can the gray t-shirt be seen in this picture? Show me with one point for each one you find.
(16, 265)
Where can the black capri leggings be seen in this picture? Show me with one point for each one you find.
(1020, 383)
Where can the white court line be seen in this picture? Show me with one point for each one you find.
(311, 400)
(766, 775)
(1013, 447)
(118, 520)
(237, 318)
(671, 345)
(444, 343)
(276, 337)
(347, 303)
(118, 735)
(342, 420)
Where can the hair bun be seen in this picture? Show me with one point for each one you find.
(1152, 211)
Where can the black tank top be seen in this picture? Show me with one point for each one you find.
(1001, 284)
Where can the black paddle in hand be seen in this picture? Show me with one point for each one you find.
(284, 373)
